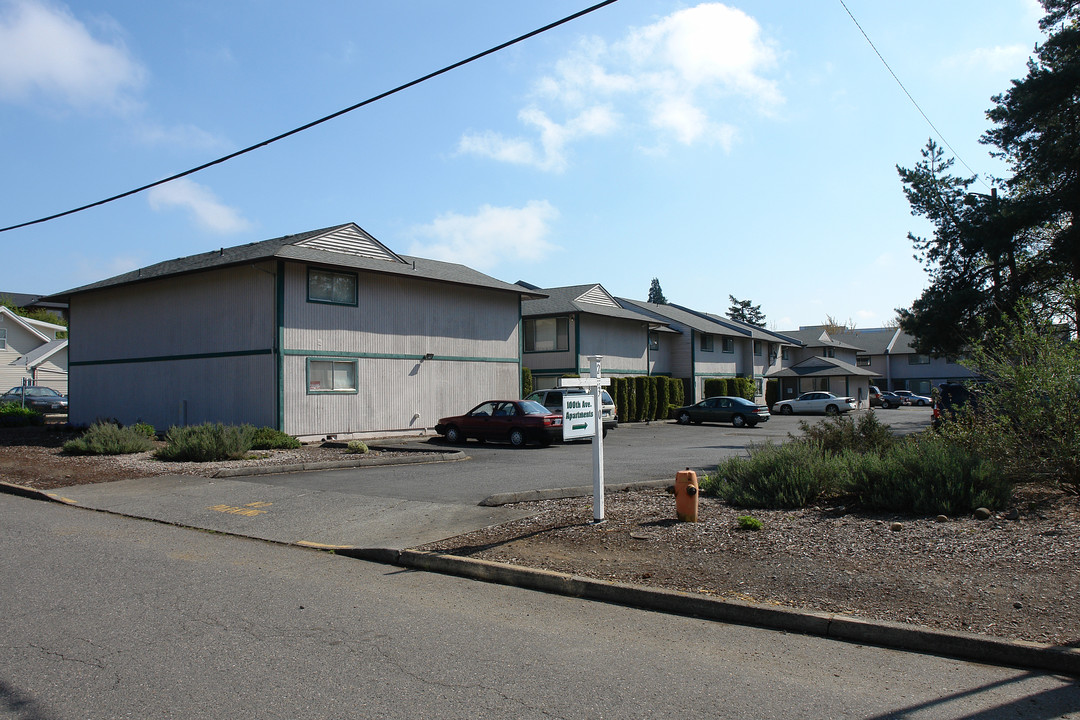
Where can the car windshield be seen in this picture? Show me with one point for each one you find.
(531, 407)
(741, 401)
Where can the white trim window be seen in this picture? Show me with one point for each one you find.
(3, 338)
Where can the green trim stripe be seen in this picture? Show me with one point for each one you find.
(395, 356)
(168, 358)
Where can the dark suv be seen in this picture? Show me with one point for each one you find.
(553, 400)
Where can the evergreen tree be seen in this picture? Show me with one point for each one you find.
(656, 295)
(991, 252)
(744, 311)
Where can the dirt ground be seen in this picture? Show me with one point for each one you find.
(1014, 575)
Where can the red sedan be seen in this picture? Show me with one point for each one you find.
(514, 421)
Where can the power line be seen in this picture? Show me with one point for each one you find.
(320, 121)
(909, 97)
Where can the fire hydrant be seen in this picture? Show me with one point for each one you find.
(686, 495)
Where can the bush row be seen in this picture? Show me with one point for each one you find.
(735, 387)
(15, 415)
(644, 398)
(861, 462)
(196, 443)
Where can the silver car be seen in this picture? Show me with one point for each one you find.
(815, 402)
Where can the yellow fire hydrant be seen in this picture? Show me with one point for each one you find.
(686, 495)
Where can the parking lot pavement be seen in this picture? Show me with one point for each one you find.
(633, 452)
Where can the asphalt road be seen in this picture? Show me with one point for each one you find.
(634, 452)
(113, 617)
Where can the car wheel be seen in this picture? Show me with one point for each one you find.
(885, 405)
(921, 403)
(517, 437)
(453, 435)
(832, 410)
(786, 410)
(684, 418)
(738, 421)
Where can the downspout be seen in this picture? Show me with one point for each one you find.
(521, 351)
(577, 343)
(693, 365)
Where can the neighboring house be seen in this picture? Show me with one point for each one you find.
(35, 302)
(560, 333)
(890, 354)
(30, 351)
(325, 333)
(822, 363)
(710, 346)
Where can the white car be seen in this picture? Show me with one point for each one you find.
(815, 402)
(913, 399)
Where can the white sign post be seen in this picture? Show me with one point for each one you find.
(595, 382)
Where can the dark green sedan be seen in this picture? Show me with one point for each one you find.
(738, 411)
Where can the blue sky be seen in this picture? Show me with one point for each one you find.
(746, 148)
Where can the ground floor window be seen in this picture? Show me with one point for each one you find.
(814, 384)
(331, 376)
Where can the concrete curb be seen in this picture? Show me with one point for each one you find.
(444, 456)
(558, 493)
(900, 636)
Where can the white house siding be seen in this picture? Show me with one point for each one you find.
(19, 342)
(472, 334)
(660, 359)
(713, 364)
(623, 344)
(210, 334)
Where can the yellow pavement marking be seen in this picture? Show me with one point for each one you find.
(322, 546)
(62, 499)
(246, 511)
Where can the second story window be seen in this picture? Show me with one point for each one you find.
(757, 348)
(828, 352)
(706, 343)
(327, 286)
(654, 341)
(862, 361)
(785, 353)
(547, 334)
(918, 359)
(728, 345)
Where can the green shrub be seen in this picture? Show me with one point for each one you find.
(749, 522)
(716, 386)
(526, 382)
(641, 395)
(772, 392)
(267, 438)
(840, 432)
(792, 475)
(206, 443)
(357, 447)
(663, 397)
(106, 438)
(15, 415)
(928, 476)
(145, 429)
(742, 387)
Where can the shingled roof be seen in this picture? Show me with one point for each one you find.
(348, 246)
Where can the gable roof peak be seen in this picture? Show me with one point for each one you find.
(348, 239)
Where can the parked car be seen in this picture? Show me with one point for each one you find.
(42, 399)
(517, 422)
(892, 400)
(913, 399)
(815, 402)
(553, 400)
(875, 396)
(738, 411)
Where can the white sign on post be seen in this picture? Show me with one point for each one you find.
(594, 382)
(578, 416)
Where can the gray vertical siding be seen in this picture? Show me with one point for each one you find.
(471, 333)
(623, 343)
(139, 351)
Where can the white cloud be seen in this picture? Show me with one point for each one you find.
(207, 211)
(88, 270)
(188, 136)
(679, 75)
(1000, 58)
(490, 236)
(46, 52)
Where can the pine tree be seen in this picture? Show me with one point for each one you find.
(656, 295)
(745, 312)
